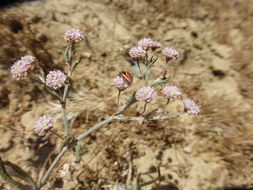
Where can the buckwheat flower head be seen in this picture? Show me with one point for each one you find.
(42, 125)
(21, 68)
(155, 45)
(137, 53)
(120, 83)
(191, 107)
(171, 92)
(145, 43)
(145, 94)
(170, 53)
(73, 35)
(28, 58)
(56, 79)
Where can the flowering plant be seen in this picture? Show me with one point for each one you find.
(57, 84)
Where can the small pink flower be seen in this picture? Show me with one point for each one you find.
(43, 125)
(171, 92)
(145, 43)
(137, 53)
(170, 53)
(120, 83)
(21, 68)
(145, 94)
(73, 35)
(191, 107)
(28, 58)
(155, 45)
(56, 79)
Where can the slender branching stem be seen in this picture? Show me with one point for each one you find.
(168, 101)
(144, 109)
(7, 177)
(138, 63)
(55, 133)
(52, 166)
(164, 71)
(65, 119)
(85, 134)
(119, 92)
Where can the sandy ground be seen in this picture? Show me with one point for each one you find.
(213, 151)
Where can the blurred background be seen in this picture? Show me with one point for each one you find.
(212, 151)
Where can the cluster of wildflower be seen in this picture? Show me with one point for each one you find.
(21, 68)
(43, 125)
(57, 84)
(191, 107)
(147, 93)
(73, 35)
(170, 53)
(120, 83)
(56, 79)
(171, 92)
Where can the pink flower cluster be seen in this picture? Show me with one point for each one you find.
(171, 92)
(137, 53)
(120, 83)
(43, 125)
(73, 35)
(56, 79)
(21, 68)
(191, 107)
(145, 94)
(170, 53)
(146, 43)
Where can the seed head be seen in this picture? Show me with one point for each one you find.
(21, 68)
(42, 125)
(120, 83)
(170, 53)
(191, 107)
(73, 35)
(171, 92)
(56, 79)
(137, 53)
(145, 94)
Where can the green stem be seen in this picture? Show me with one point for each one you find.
(168, 101)
(65, 119)
(8, 178)
(56, 134)
(144, 109)
(85, 134)
(95, 127)
(138, 63)
(119, 92)
(67, 147)
(52, 166)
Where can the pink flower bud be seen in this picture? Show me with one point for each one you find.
(145, 94)
(43, 125)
